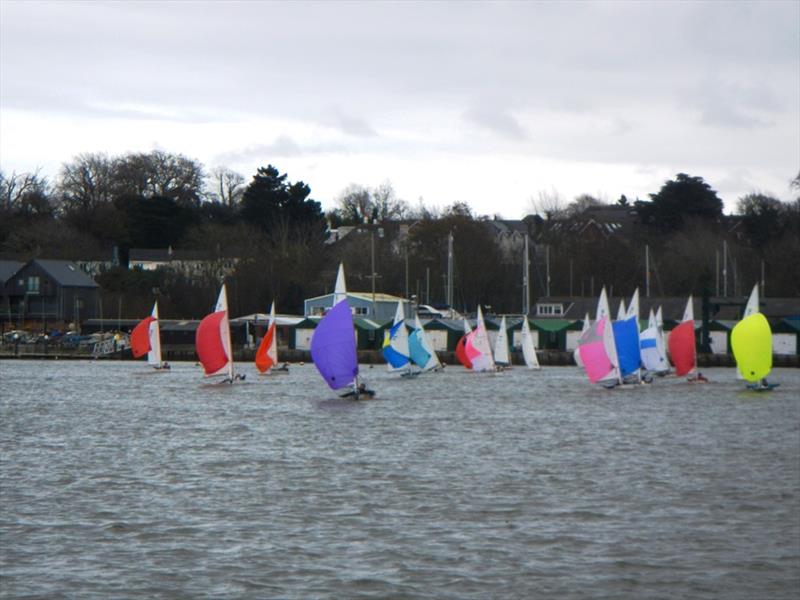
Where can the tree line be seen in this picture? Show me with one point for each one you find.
(280, 237)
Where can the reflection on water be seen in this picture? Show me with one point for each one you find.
(115, 482)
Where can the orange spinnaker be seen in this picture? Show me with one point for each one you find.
(208, 343)
(140, 337)
(264, 361)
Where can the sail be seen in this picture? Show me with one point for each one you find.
(267, 353)
(140, 337)
(682, 343)
(528, 347)
(501, 355)
(753, 304)
(626, 337)
(478, 349)
(593, 347)
(751, 342)
(622, 310)
(154, 333)
(461, 346)
(213, 339)
(661, 334)
(602, 306)
(420, 347)
(333, 345)
(654, 357)
(395, 343)
(587, 323)
(340, 289)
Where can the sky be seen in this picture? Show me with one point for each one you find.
(495, 104)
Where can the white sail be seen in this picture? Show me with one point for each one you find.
(501, 356)
(752, 303)
(622, 311)
(654, 355)
(480, 341)
(688, 313)
(340, 289)
(272, 351)
(528, 347)
(225, 328)
(587, 324)
(154, 332)
(603, 309)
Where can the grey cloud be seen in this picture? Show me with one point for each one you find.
(498, 121)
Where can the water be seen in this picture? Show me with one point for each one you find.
(115, 484)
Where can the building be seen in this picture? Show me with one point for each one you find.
(380, 308)
(49, 290)
(193, 264)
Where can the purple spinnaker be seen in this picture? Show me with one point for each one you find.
(333, 347)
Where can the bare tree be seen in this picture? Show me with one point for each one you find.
(85, 183)
(227, 186)
(15, 187)
(159, 174)
(547, 203)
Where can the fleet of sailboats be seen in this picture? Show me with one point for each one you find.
(612, 352)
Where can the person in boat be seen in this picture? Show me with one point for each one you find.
(700, 378)
(283, 367)
(165, 365)
(240, 376)
(360, 390)
(764, 384)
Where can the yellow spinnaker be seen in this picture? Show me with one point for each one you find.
(751, 341)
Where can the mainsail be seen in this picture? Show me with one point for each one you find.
(501, 354)
(528, 347)
(654, 356)
(422, 353)
(478, 349)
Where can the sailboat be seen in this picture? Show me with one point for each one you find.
(654, 354)
(267, 353)
(146, 339)
(396, 345)
(528, 347)
(661, 334)
(333, 345)
(751, 342)
(597, 348)
(213, 341)
(681, 344)
(420, 349)
(587, 323)
(501, 355)
(626, 339)
(478, 349)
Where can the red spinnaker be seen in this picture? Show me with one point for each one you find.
(140, 337)
(263, 360)
(461, 352)
(682, 349)
(208, 343)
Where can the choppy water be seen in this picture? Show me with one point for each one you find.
(115, 484)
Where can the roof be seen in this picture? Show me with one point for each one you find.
(65, 272)
(365, 296)
(280, 320)
(8, 268)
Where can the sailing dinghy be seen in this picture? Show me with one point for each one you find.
(420, 349)
(213, 341)
(528, 347)
(146, 339)
(654, 354)
(597, 348)
(501, 355)
(751, 342)
(333, 346)
(461, 346)
(478, 349)
(267, 353)
(681, 342)
(396, 345)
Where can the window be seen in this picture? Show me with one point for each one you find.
(360, 311)
(549, 310)
(33, 284)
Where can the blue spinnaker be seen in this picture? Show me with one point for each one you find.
(626, 339)
(419, 355)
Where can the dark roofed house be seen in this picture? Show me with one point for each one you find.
(50, 290)
(194, 264)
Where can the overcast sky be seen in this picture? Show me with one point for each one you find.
(486, 103)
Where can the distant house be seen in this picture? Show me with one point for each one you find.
(509, 235)
(49, 290)
(361, 304)
(193, 264)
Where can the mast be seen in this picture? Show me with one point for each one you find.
(449, 298)
(526, 286)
